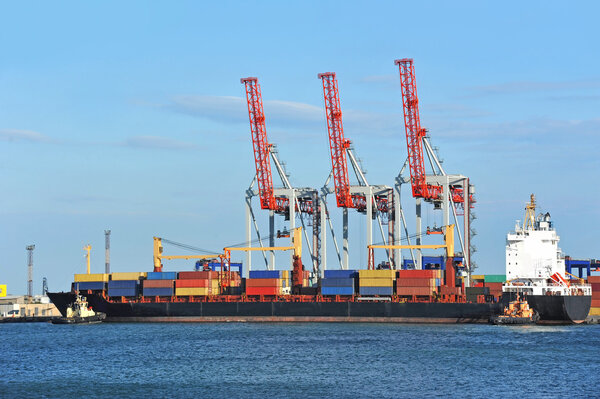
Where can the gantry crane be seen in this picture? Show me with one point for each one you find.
(372, 200)
(443, 190)
(284, 201)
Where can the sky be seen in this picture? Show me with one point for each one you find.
(130, 116)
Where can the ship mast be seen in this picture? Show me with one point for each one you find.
(529, 221)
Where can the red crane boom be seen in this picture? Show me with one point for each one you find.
(414, 137)
(337, 143)
(262, 148)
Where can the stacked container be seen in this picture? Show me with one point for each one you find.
(376, 282)
(159, 284)
(128, 276)
(595, 283)
(265, 282)
(197, 283)
(494, 283)
(338, 282)
(84, 282)
(417, 282)
(129, 288)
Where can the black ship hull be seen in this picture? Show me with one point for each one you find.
(286, 311)
(551, 309)
(556, 308)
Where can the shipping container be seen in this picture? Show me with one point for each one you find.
(262, 274)
(158, 283)
(128, 275)
(189, 291)
(263, 282)
(157, 291)
(595, 303)
(123, 291)
(495, 278)
(419, 273)
(91, 277)
(384, 291)
(594, 311)
(161, 276)
(493, 286)
(196, 283)
(263, 290)
(377, 274)
(409, 291)
(123, 284)
(450, 290)
(593, 279)
(477, 290)
(376, 282)
(337, 282)
(88, 285)
(415, 282)
(198, 275)
(336, 290)
(341, 273)
(479, 277)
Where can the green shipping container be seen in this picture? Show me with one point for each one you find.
(494, 278)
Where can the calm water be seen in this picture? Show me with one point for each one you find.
(298, 361)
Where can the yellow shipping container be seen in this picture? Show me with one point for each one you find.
(285, 274)
(192, 291)
(128, 275)
(477, 277)
(91, 277)
(594, 311)
(376, 282)
(376, 274)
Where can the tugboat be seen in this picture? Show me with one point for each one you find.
(517, 312)
(535, 270)
(80, 313)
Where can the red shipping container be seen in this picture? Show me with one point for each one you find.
(198, 275)
(496, 286)
(158, 283)
(263, 282)
(596, 303)
(197, 283)
(404, 291)
(593, 279)
(417, 273)
(595, 288)
(478, 285)
(450, 290)
(263, 290)
(415, 282)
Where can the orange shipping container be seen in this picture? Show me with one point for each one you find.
(593, 279)
(263, 282)
(405, 291)
(596, 303)
(158, 283)
(192, 283)
(415, 282)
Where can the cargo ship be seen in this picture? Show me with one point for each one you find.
(535, 269)
(437, 294)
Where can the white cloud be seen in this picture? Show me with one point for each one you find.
(22, 135)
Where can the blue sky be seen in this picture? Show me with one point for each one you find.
(130, 116)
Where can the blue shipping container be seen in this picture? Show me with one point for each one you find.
(376, 291)
(337, 282)
(158, 291)
(123, 284)
(162, 276)
(337, 290)
(265, 274)
(88, 285)
(122, 291)
(341, 273)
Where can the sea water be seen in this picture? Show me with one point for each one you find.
(287, 360)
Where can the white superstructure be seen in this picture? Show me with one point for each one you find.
(534, 263)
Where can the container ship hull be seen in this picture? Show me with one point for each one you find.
(274, 311)
(558, 308)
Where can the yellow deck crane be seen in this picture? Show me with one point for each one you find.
(158, 256)
(296, 246)
(448, 244)
(87, 250)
